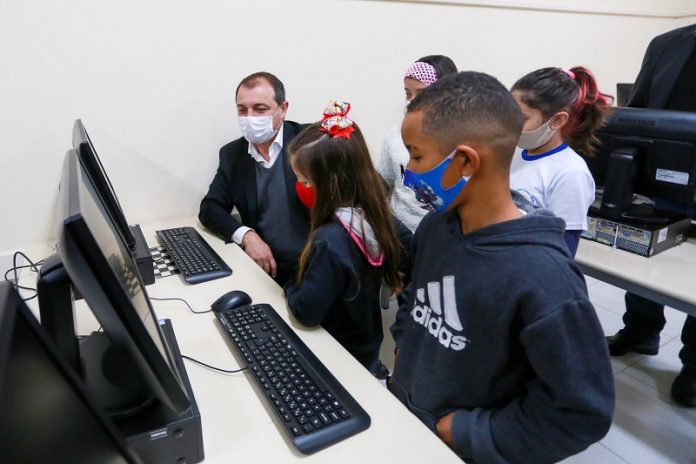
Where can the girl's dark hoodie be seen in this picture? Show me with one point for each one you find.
(341, 284)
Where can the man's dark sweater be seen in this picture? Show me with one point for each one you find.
(497, 327)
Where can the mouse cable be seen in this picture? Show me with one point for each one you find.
(185, 302)
(213, 367)
(14, 269)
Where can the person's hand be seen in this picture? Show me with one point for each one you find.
(260, 252)
(444, 429)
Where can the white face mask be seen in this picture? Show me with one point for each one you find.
(257, 129)
(529, 140)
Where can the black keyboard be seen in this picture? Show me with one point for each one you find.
(192, 255)
(314, 408)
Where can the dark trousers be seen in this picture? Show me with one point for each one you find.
(645, 319)
(285, 271)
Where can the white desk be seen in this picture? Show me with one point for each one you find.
(668, 277)
(237, 426)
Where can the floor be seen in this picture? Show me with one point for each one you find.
(648, 427)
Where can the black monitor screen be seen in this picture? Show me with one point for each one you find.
(104, 271)
(92, 164)
(46, 413)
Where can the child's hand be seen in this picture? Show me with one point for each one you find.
(260, 252)
(444, 429)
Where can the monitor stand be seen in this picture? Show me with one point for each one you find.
(105, 372)
(641, 214)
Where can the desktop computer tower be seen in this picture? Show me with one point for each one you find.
(642, 239)
(160, 436)
(143, 257)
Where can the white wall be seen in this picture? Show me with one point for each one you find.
(154, 81)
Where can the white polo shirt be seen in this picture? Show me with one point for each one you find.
(557, 180)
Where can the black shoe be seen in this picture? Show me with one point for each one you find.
(381, 371)
(684, 387)
(623, 343)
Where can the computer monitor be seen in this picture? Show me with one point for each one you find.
(46, 414)
(129, 365)
(102, 184)
(651, 153)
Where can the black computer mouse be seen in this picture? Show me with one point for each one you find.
(230, 300)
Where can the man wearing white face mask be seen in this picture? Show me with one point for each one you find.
(255, 177)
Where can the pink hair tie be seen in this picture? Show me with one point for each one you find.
(422, 72)
(570, 73)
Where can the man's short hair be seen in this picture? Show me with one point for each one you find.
(470, 106)
(252, 80)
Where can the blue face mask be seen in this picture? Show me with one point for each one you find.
(428, 186)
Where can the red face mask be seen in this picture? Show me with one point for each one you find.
(306, 194)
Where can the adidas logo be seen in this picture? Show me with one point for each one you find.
(437, 318)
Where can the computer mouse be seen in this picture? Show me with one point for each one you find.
(230, 300)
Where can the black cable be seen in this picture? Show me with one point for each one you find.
(14, 269)
(213, 367)
(185, 302)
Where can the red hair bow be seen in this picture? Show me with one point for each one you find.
(336, 121)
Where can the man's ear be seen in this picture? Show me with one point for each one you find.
(284, 108)
(559, 120)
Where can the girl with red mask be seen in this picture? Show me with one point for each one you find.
(353, 244)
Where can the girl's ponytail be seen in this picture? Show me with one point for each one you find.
(587, 112)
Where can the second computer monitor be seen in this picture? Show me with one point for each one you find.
(97, 174)
(100, 266)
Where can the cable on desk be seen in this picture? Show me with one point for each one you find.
(213, 367)
(185, 302)
(225, 371)
(14, 269)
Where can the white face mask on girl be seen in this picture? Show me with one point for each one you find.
(529, 140)
(257, 129)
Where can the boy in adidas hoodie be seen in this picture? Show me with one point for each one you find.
(353, 243)
(499, 350)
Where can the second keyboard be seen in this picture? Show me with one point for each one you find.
(196, 260)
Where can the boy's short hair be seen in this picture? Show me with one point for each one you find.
(470, 106)
(252, 80)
